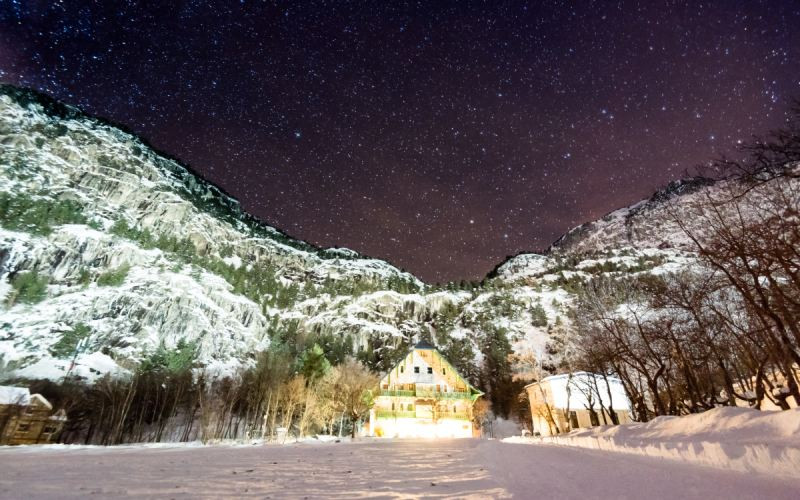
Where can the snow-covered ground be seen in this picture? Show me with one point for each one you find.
(740, 439)
(464, 468)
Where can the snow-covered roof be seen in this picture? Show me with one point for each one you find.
(42, 401)
(10, 395)
(583, 389)
(576, 375)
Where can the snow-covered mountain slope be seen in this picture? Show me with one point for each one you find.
(136, 251)
(111, 253)
(654, 222)
(650, 223)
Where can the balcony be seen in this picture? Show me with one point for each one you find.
(395, 414)
(408, 394)
(443, 395)
(413, 414)
(427, 394)
(454, 416)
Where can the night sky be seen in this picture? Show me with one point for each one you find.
(439, 136)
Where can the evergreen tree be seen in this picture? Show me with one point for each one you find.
(313, 364)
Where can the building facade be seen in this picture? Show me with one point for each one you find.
(27, 418)
(570, 401)
(423, 396)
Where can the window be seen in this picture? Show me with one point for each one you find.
(430, 370)
(444, 372)
(410, 407)
(593, 418)
(573, 419)
(454, 409)
(401, 368)
(50, 429)
(23, 427)
(392, 406)
(416, 369)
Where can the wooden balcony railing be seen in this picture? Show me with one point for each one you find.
(419, 393)
(454, 416)
(395, 414)
(398, 393)
(413, 414)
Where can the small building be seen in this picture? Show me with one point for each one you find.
(423, 396)
(570, 401)
(27, 418)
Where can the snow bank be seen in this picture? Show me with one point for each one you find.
(740, 439)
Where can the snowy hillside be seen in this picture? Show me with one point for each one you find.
(135, 251)
(650, 223)
(111, 252)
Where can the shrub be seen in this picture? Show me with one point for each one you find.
(38, 215)
(68, 343)
(114, 277)
(538, 316)
(84, 277)
(171, 360)
(28, 288)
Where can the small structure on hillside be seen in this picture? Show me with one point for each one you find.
(570, 401)
(27, 418)
(423, 396)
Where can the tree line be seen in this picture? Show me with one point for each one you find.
(166, 399)
(726, 331)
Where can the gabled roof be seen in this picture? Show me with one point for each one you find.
(424, 344)
(576, 376)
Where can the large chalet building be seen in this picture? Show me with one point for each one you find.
(423, 396)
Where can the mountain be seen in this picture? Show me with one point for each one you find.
(649, 223)
(133, 247)
(111, 253)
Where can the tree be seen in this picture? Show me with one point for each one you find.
(313, 364)
(496, 373)
(354, 388)
(28, 288)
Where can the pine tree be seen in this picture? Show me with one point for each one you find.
(313, 364)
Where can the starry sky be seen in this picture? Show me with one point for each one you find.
(442, 136)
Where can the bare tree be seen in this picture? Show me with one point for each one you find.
(354, 386)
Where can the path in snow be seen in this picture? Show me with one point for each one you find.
(383, 469)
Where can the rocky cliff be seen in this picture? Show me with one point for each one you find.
(110, 252)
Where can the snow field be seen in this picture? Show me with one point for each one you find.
(459, 468)
(740, 439)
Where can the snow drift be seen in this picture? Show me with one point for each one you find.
(740, 439)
